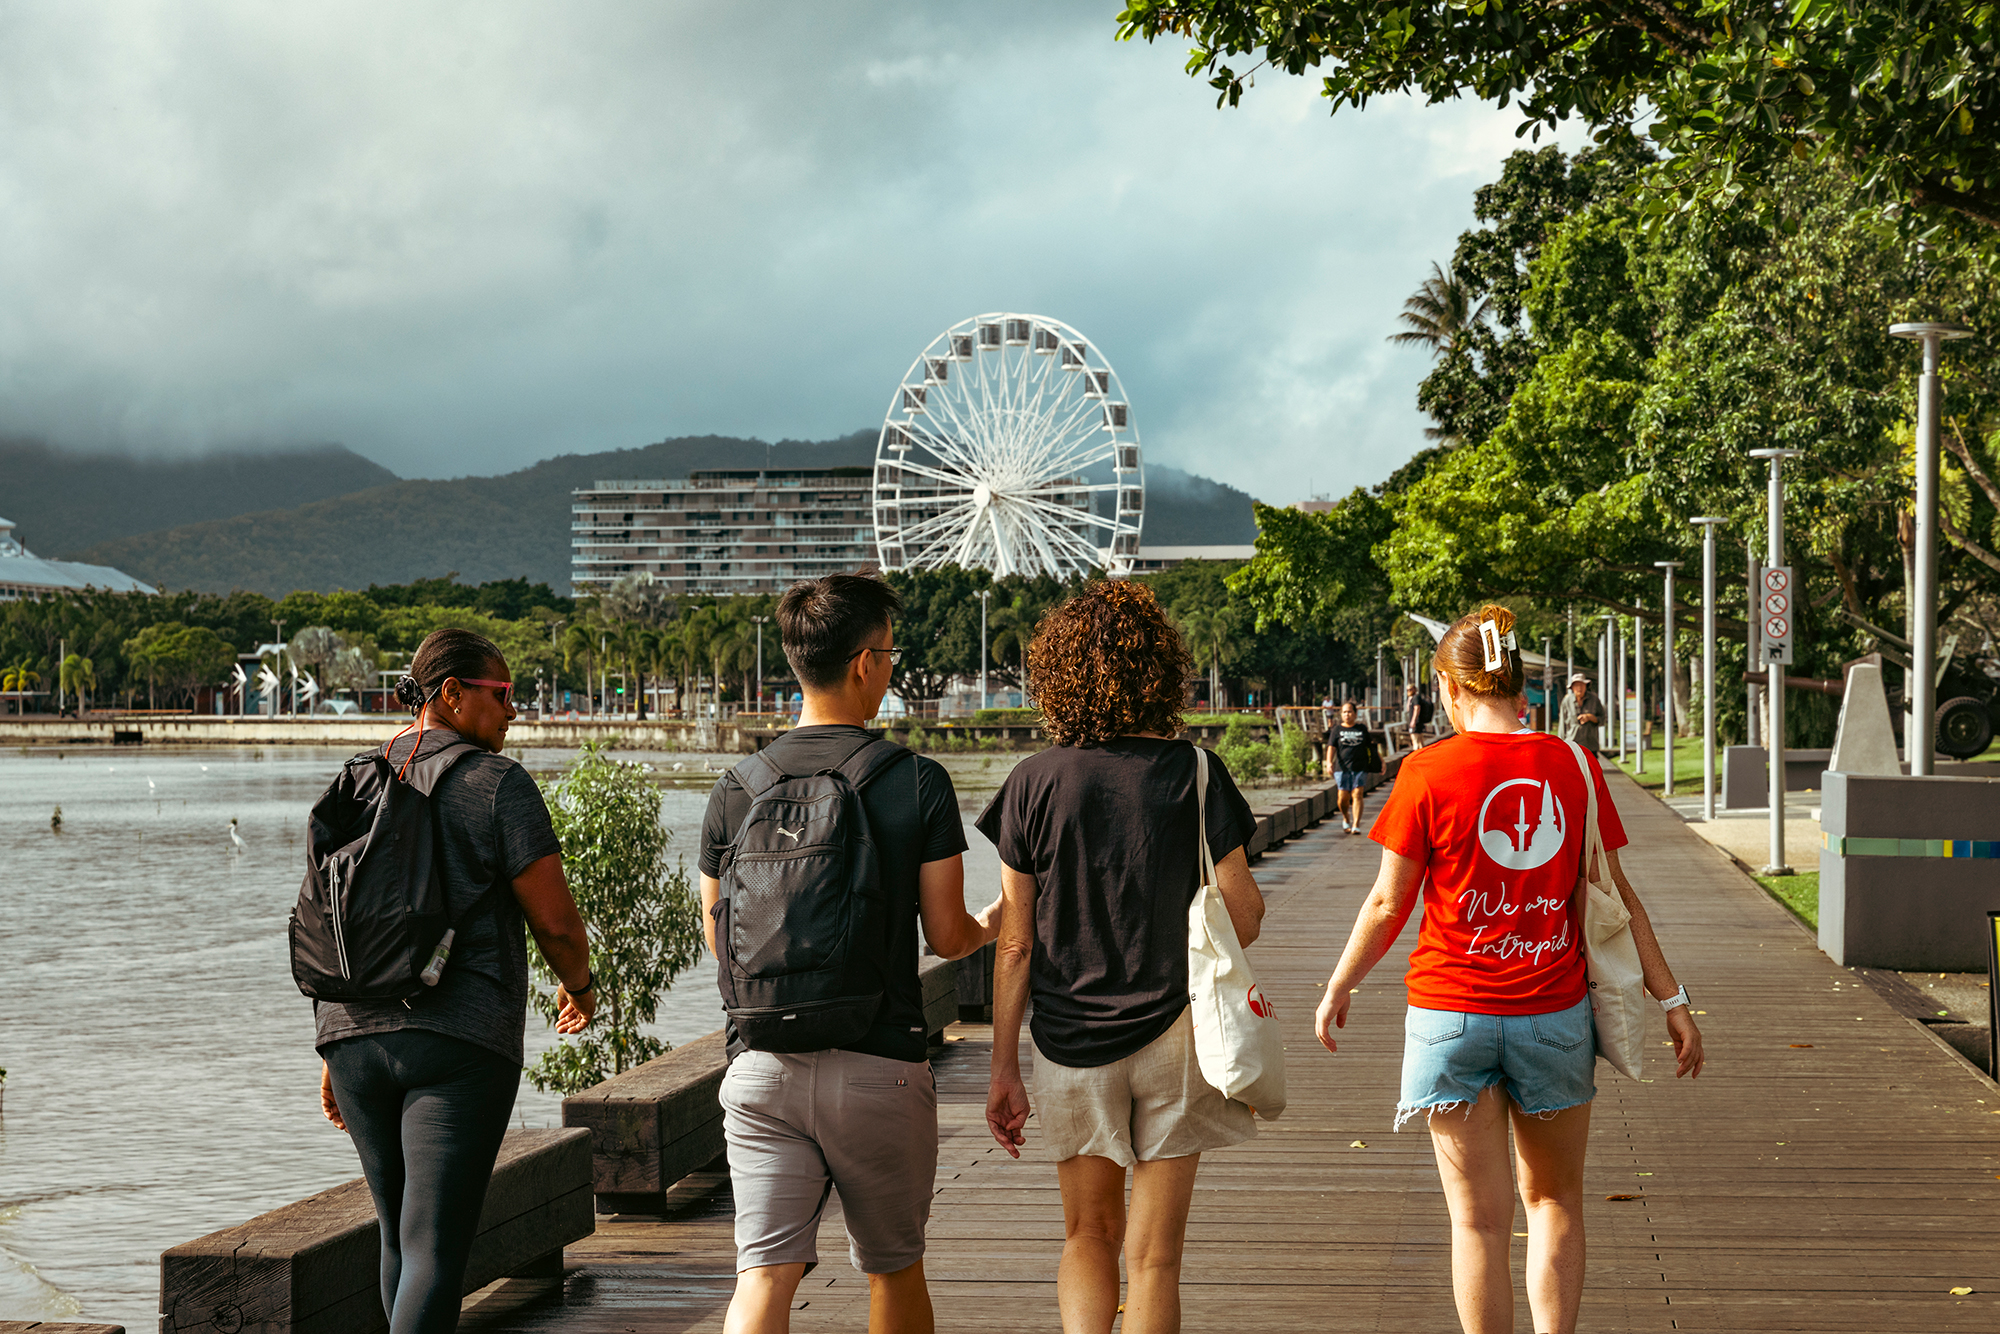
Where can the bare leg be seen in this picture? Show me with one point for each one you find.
(1479, 1190)
(763, 1300)
(1161, 1193)
(1550, 1157)
(1093, 1196)
(900, 1303)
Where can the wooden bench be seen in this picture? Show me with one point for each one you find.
(314, 1267)
(659, 1121)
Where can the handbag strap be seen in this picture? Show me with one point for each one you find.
(1593, 842)
(1201, 814)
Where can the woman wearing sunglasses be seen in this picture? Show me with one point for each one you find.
(425, 1087)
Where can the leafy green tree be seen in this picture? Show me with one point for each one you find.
(183, 658)
(1904, 97)
(78, 677)
(642, 916)
(938, 630)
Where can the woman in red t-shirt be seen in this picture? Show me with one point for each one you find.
(1493, 819)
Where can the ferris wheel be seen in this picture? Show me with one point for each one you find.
(1009, 445)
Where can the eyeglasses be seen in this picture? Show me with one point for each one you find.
(506, 688)
(895, 654)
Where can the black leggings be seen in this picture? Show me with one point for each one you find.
(426, 1113)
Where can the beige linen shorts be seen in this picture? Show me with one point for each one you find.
(1152, 1104)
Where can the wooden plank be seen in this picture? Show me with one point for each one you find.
(50, 1327)
(939, 980)
(313, 1266)
(653, 1124)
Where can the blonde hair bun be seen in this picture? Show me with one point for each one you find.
(1461, 655)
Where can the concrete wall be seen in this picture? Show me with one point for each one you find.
(1924, 907)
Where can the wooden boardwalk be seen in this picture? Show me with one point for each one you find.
(1835, 1168)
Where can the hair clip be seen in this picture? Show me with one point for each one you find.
(1492, 643)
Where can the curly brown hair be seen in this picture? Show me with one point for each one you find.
(1107, 663)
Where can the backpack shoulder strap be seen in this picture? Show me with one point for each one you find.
(870, 760)
(425, 773)
(758, 774)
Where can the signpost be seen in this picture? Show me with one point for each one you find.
(1774, 623)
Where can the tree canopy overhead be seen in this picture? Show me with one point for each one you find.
(1904, 96)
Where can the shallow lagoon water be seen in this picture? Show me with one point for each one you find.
(162, 1082)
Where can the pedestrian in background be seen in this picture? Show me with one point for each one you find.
(1100, 863)
(1353, 753)
(425, 1087)
(1490, 823)
(1416, 713)
(1582, 712)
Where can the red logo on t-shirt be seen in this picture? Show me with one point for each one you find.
(1521, 824)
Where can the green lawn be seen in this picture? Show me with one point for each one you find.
(1800, 893)
(1687, 767)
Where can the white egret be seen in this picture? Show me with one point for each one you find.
(234, 837)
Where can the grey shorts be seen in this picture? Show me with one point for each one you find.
(1152, 1104)
(802, 1126)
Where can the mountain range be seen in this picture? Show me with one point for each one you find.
(328, 518)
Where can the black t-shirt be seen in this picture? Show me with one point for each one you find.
(1350, 747)
(913, 816)
(495, 825)
(1108, 832)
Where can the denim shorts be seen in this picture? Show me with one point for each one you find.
(1348, 782)
(1545, 1060)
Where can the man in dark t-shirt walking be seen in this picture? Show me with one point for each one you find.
(861, 1119)
(1353, 756)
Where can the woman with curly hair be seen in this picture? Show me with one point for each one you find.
(1098, 852)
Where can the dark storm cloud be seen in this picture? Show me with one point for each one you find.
(459, 238)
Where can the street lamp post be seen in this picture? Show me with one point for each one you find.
(1667, 679)
(1621, 708)
(1707, 524)
(1774, 672)
(760, 620)
(1639, 690)
(985, 595)
(1919, 731)
(1548, 699)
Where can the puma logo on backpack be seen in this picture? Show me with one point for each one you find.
(802, 924)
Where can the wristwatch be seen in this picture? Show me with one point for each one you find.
(1678, 999)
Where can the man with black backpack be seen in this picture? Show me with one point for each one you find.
(819, 856)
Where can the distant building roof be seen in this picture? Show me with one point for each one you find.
(26, 575)
(1150, 559)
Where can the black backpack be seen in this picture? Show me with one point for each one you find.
(372, 918)
(1425, 711)
(803, 923)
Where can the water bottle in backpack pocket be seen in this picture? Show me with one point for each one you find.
(803, 922)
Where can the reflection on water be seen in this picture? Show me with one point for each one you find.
(162, 1082)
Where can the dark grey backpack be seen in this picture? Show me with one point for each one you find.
(803, 923)
(372, 922)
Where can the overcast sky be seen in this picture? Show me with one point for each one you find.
(459, 238)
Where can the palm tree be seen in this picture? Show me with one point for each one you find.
(79, 675)
(1440, 314)
(22, 677)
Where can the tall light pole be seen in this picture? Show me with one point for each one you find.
(1707, 524)
(1639, 690)
(985, 596)
(1774, 672)
(1548, 699)
(1919, 732)
(760, 621)
(1621, 708)
(1667, 661)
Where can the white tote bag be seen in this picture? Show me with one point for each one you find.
(1236, 1039)
(1611, 958)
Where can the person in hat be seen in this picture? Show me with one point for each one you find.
(1582, 713)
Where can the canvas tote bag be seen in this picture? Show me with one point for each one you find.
(1611, 957)
(1236, 1039)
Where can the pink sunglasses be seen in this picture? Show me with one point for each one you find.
(506, 688)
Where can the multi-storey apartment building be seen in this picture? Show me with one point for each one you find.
(723, 531)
